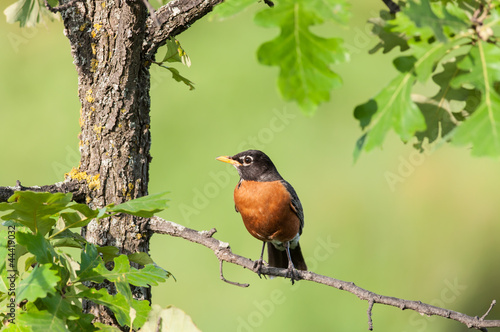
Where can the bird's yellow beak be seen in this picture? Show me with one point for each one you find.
(226, 159)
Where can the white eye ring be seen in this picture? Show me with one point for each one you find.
(247, 160)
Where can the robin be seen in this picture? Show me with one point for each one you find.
(270, 208)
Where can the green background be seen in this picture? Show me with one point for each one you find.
(431, 236)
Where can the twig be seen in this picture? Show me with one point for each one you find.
(489, 309)
(223, 252)
(228, 281)
(152, 12)
(393, 7)
(61, 7)
(369, 312)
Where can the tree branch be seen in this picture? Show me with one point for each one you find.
(223, 252)
(174, 17)
(393, 7)
(66, 186)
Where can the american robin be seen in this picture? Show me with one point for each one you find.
(270, 208)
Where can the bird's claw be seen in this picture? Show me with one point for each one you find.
(257, 266)
(293, 274)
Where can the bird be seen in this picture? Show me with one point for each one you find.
(270, 209)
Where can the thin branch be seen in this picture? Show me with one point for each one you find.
(67, 186)
(489, 309)
(152, 13)
(228, 281)
(174, 18)
(393, 7)
(223, 252)
(369, 312)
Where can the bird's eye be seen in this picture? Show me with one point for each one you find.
(247, 160)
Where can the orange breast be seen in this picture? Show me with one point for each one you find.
(266, 210)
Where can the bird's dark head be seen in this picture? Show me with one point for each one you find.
(253, 165)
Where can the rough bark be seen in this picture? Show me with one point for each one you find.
(113, 87)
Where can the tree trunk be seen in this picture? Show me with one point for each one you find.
(106, 40)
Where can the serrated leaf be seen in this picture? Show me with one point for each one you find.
(35, 210)
(172, 319)
(145, 206)
(303, 57)
(40, 282)
(482, 129)
(28, 13)
(37, 245)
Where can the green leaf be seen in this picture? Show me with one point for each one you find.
(172, 319)
(388, 39)
(482, 129)
(38, 246)
(118, 304)
(436, 17)
(145, 206)
(61, 307)
(122, 271)
(28, 13)
(392, 108)
(142, 309)
(108, 253)
(90, 259)
(67, 238)
(175, 52)
(178, 77)
(35, 210)
(40, 321)
(303, 57)
(440, 118)
(40, 282)
(141, 258)
(106, 328)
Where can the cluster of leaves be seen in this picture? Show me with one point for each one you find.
(175, 53)
(303, 57)
(454, 43)
(46, 292)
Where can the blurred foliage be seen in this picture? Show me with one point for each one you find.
(455, 44)
(47, 295)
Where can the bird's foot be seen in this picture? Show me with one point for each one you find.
(257, 267)
(292, 273)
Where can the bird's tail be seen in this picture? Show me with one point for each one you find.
(278, 258)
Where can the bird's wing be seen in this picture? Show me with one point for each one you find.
(295, 204)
